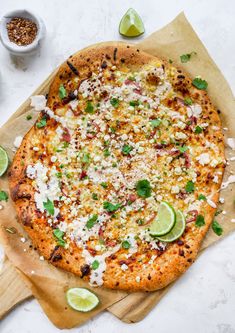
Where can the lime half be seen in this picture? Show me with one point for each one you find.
(3, 161)
(177, 230)
(164, 221)
(131, 24)
(81, 299)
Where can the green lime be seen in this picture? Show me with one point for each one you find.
(3, 161)
(177, 230)
(81, 299)
(131, 24)
(164, 221)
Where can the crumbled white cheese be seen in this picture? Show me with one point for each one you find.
(38, 102)
(124, 267)
(17, 141)
(231, 143)
(203, 159)
(211, 203)
(175, 189)
(194, 110)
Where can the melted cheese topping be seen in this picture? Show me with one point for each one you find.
(117, 131)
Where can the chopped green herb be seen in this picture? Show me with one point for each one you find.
(143, 188)
(3, 196)
(62, 92)
(134, 103)
(155, 122)
(183, 149)
(94, 196)
(170, 61)
(59, 174)
(49, 206)
(219, 211)
(29, 117)
(140, 222)
(131, 78)
(113, 129)
(201, 197)
(86, 158)
(200, 84)
(89, 107)
(104, 185)
(106, 152)
(216, 227)
(126, 149)
(58, 234)
(111, 207)
(65, 144)
(41, 123)
(114, 102)
(188, 101)
(190, 187)
(200, 221)
(198, 130)
(114, 165)
(186, 57)
(95, 264)
(126, 245)
(92, 220)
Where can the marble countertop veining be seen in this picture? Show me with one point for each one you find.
(203, 300)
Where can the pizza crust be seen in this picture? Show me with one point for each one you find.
(169, 265)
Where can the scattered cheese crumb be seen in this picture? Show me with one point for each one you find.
(23, 240)
(124, 267)
(17, 141)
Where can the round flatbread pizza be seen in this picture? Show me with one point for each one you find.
(118, 179)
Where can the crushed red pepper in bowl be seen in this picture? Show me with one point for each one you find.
(21, 31)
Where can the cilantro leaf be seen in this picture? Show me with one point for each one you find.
(134, 103)
(216, 227)
(188, 101)
(58, 234)
(104, 185)
(183, 149)
(86, 158)
(49, 206)
(111, 207)
(126, 149)
(126, 245)
(114, 102)
(29, 117)
(91, 221)
(186, 57)
(189, 187)
(41, 123)
(200, 221)
(3, 196)
(62, 92)
(199, 83)
(94, 196)
(89, 107)
(143, 188)
(95, 264)
(155, 122)
(198, 130)
(201, 197)
(106, 152)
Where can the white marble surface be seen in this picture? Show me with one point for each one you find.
(203, 300)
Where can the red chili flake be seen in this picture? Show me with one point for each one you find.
(83, 174)
(187, 160)
(111, 243)
(66, 135)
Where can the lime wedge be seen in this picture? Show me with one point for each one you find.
(131, 24)
(177, 230)
(3, 161)
(164, 221)
(81, 299)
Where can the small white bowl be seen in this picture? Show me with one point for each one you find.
(19, 49)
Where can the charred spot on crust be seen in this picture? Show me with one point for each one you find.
(73, 69)
(149, 277)
(56, 257)
(16, 193)
(53, 253)
(153, 79)
(85, 270)
(115, 54)
(122, 60)
(181, 253)
(104, 65)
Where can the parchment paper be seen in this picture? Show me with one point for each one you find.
(49, 284)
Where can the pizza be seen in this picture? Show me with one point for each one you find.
(120, 132)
